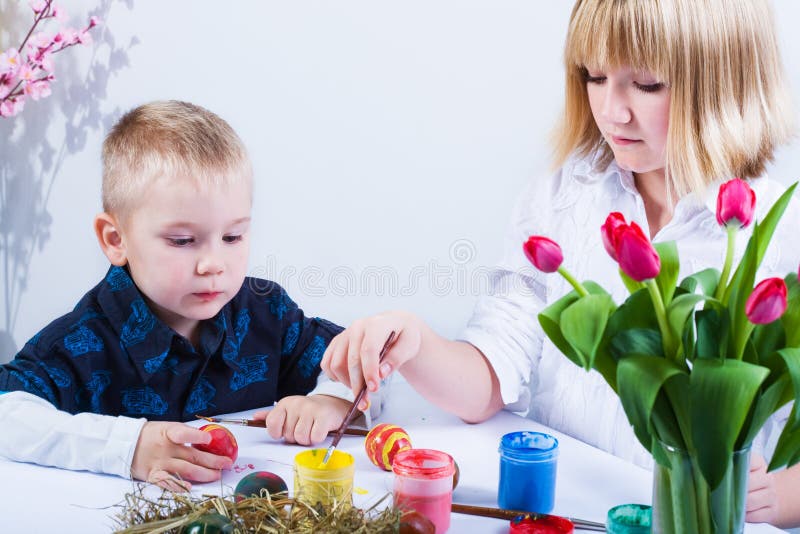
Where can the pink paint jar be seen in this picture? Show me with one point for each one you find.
(423, 481)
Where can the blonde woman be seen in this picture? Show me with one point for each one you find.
(664, 99)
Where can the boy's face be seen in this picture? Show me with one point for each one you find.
(187, 249)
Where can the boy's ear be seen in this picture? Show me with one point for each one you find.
(110, 239)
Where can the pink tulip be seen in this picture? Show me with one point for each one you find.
(636, 255)
(736, 202)
(767, 302)
(543, 253)
(613, 221)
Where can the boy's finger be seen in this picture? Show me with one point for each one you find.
(180, 434)
(325, 362)
(319, 431)
(189, 471)
(203, 458)
(275, 420)
(165, 480)
(289, 425)
(371, 346)
(302, 431)
(261, 414)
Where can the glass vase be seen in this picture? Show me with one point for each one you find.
(683, 503)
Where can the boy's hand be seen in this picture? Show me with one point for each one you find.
(162, 456)
(304, 419)
(762, 495)
(352, 356)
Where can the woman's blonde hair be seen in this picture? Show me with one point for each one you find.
(729, 105)
(168, 140)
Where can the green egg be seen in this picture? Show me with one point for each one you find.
(252, 484)
(211, 523)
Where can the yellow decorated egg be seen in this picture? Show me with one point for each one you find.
(383, 442)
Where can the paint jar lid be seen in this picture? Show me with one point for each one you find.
(545, 524)
(629, 519)
(423, 463)
(529, 446)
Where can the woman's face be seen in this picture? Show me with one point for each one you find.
(631, 109)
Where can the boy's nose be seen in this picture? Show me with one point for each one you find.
(210, 264)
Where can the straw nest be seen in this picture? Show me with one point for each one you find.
(277, 514)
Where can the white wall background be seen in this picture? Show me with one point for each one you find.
(389, 141)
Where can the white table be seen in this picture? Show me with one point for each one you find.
(589, 481)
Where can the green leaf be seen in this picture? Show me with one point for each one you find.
(767, 339)
(583, 323)
(792, 359)
(680, 309)
(718, 387)
(773, 398)
(706, 280)
(791, 317)
(786, 451)
(712, 333)
(670, 267)
(640, 379)
(630, 284)
(641, 341)
(549, 319)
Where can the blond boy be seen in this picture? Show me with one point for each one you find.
(175, 329)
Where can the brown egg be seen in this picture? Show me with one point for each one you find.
(413, 522)
(456, 475)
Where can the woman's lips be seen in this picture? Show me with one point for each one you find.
(622, 141)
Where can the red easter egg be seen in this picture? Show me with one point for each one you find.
(383, 442)
(222, 443)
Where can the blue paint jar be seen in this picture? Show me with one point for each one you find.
(527, 472)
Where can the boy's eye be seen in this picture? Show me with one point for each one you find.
(180, 241)
(232, 238)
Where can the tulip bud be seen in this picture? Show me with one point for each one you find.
(767, 302)
(613, 221)
(736, 203)
(543, 253)
(636, 255)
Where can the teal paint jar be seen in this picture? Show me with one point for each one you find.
(629, 519)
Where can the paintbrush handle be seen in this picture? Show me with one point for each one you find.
(358, 399)
(261, 423)
(499, 513)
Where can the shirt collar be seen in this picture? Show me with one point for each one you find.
(143, 336)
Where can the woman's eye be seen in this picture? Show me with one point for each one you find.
(649, 87)
(232, 238)
(594, 79)
(180, 241)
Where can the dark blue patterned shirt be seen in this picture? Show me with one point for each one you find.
(112, 356)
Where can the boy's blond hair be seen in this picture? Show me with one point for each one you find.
(729, 102)
(166, 140)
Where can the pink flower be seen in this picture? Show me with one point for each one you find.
(767, 302)
(543, 253)
(6, 84)
(38, 89)
(736, 203)
(613, 221)
(94, 21)
(38, 5)
(9, 62)
(636, 255)
(59, 13)
(40, 40)
(84, 37)
(27, 73)
(12, 106)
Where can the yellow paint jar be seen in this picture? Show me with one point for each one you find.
(328, 483)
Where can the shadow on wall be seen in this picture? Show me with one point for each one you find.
(36, 143)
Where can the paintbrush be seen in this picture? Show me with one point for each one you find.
(499, 513)
(260, 423)
(351, 412)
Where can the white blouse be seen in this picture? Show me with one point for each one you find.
(535, 378)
